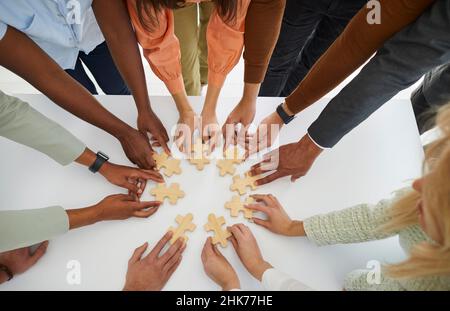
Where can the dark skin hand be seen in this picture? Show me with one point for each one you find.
(293, 160)
(114, 21)
(31, 63)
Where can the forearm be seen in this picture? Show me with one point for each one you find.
(250, 93)
(83, 217)
(114, 21)
(35, 66)
(182, 102)
(212, 97)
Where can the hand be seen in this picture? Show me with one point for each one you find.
(238, 122)
(248, 251)
(138, 149)
(152, 272)
(265, 135)
(120, 206)
(130, 178)
(20, 260)
(218, 268)
(278, 221)
(148, 122)
(210, 129)
(187, 124)
(293, 160)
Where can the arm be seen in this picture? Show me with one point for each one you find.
(274, 280)
(402, 61)
(354, 46)
(114, 21)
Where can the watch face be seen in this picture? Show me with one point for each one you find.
(103, 155)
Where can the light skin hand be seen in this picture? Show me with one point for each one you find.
(113, 207)
(132, 179)
(293, 160)
(150, 125)
(278, 221)
(218, 268)
(20, 260)
(210, 128)
(187, 123)
(248, 250)
(239, 120)
(151, 273)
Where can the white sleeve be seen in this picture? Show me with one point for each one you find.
(3, 28)
(274, 280)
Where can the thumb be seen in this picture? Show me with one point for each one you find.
(295, 177)
(40, 251)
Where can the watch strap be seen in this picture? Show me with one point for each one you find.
(99, 161)
(283, 115)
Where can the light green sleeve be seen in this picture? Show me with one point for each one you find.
(352, 225)
(28, 227)
(21, 123)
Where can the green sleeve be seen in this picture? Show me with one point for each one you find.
(28, 227)
(352, 225)
(21, 123)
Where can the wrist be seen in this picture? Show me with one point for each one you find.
(4, 276)
(308, 145)
(105, 169)
(259, 269)
(182, 102)
(287, 110)
(231, 284)
(296, 228)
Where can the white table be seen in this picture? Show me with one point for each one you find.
(381, 155)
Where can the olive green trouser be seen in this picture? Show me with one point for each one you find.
(194, 49)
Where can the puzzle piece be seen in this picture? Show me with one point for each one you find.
(226, 165)
(184, 224)
(235, 206)
(173, 193)
(220, 235)
(240, 184)
(198, 157)
(171, 166)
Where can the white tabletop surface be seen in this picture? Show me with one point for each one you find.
(381, 155)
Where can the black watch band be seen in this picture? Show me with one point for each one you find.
(283, 115)
(6, 270)
(99, 161)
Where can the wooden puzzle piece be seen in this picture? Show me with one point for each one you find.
(173, 193)
(226, 165)
(184, 224)
(240, 184)
(198, 157)
(235, 206)
(220, 235)
(171, 166)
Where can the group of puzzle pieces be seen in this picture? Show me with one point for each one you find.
(170, 166)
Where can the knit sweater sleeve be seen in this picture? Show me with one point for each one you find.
(352, 225)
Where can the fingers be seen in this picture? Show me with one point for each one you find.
(150, 175)
(145, 214)
(261, 222)
(163, 143)
(258, 207)
(175, 258)
(236, 232)
(260, 168)
(40, 251)
(269, 178)
(138, 252)
(172, 250)
(174, 267)
(160, 245)
(266, 199)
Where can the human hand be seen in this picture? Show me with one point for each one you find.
(152, 272)
(248, 250)
(238, 122)
(186, 126)
(130, 178)
(218, 268)
(149, 123)
(138, 149)
(278, 221)
(265, 135)
(210, 130)
(120, 207)
(293, 160)
(20, 260)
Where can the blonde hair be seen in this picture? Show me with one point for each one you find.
(427, 258)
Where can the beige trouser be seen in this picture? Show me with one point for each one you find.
(194, 49)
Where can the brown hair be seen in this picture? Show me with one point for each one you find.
(148, 10)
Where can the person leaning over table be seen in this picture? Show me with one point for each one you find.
(233, 25)
(403, 60)
(419, 216)
(38, 55)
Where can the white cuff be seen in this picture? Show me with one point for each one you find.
(274, 280)
(307, 133)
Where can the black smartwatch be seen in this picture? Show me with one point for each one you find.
(283, 114)
(99, 161)
(7, 271)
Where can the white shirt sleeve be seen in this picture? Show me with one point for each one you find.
(3, 28)
(274, 280)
